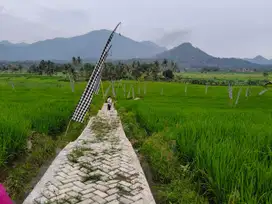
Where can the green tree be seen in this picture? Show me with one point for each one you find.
(155, 70)
(20, 68)
(168, 74)
(265, 74)
(79, 61)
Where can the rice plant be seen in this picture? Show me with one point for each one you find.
(229, 149)
(41, 105)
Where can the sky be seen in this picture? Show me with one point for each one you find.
(222, 28)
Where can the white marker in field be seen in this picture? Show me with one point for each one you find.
(247, 91)
(144, 89)
(238, 96)
(162, 91)
(107, 90)
(263, 91)
(206, 89)
(113, 90)
(12, 85)
(72, 83)
(128, 96)
(230, 91)
(124, 89)
(185, 89)
(133, 96)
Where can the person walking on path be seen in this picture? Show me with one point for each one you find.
(109, 102)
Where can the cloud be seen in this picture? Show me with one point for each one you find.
(222, 28)
(16, 29)
(174, 38)
(70, 21)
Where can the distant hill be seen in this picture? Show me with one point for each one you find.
(189, 56)
(154, 45)
(7, 43)
(87, 46)
(260, 60)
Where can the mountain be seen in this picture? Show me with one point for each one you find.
(7, 43)
(189, 56)
(154, 45)
(260, 60)
(88, 46)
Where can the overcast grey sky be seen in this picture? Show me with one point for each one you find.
(223, 28)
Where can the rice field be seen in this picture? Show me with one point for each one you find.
(226, 75)
(228, 146)
(32, 104)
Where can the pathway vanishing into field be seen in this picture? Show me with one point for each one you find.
(99, 167)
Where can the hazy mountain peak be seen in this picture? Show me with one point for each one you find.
(189, 56)
(88, 46)
(5, 42)
(259, 57)
(259, 60)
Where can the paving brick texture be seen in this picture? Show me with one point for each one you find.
(99, 167)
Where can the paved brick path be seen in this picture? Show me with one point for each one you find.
(99, 167)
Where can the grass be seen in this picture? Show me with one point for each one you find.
(226, 75)
(35, 112)
(227, 148)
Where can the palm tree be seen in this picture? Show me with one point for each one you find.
(155, 69)
(74, 61)
(79, 61)
(174, 66)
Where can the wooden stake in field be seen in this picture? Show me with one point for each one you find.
(238, 96)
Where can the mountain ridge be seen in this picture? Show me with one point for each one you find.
(88, 45)
(192, 57)
(259, 59)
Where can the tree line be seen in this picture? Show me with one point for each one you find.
(111, 71)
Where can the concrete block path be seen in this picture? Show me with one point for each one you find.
(99, 167)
